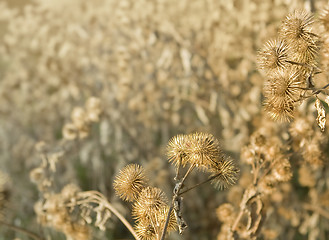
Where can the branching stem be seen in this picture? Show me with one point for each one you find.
(175, 196)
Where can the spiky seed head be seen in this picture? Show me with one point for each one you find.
(286, 84)
(203, 149)
(274, 55)
(296, 26)
(162, 217)
(129, 182)
(149, 203)
(145, 230)
(148, 227)
(177, 149)
(306, 51)
(280, 109)
(225, 173)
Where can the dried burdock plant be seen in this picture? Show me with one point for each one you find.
(154, 216)
(270, 166)
(291, 64)
(197, 151)
(150, 205)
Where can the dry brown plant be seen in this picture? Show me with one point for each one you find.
(104, 84)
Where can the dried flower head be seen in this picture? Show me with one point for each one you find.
(70, 132)
(306, 52)
(274, 55)
(93, 109)
(225, 212)
(145, 230)
(280, 109)
(267, 184)
(150, 202)
(162, 217)
(203, 149)
(282, 170)
(300, 128)
(224, 173)
(37, 174)
(150, 226)
(284, 84)
(79, 117)
(296, 26)
(70, 191)
(52, 212)
(177, 149)
(129, 182)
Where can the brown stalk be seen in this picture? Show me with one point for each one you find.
(96, 197)
(175, 196)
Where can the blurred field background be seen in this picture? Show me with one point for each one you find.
(158, 68)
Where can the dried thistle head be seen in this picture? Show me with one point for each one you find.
(284, 84)
(162, 217)
(203, 149)
(296, 26)
(274, 55)
(145, 230)
(129, 182)
(280, 109)
(177, 149)
(306, 51)
(224, 173)
(150, 202)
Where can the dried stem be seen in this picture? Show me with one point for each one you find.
(175, 196)
(317, 209)
(201, 183)
(96, 197)
(237, 220)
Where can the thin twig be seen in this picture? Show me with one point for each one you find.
(201, 183)
(317, 209)
(22, 230)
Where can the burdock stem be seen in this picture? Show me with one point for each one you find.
(175, 196)
(323, 88)
(201, 183)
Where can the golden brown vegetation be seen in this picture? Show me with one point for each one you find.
(95, 95)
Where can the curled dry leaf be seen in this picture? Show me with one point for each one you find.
(321, 119)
